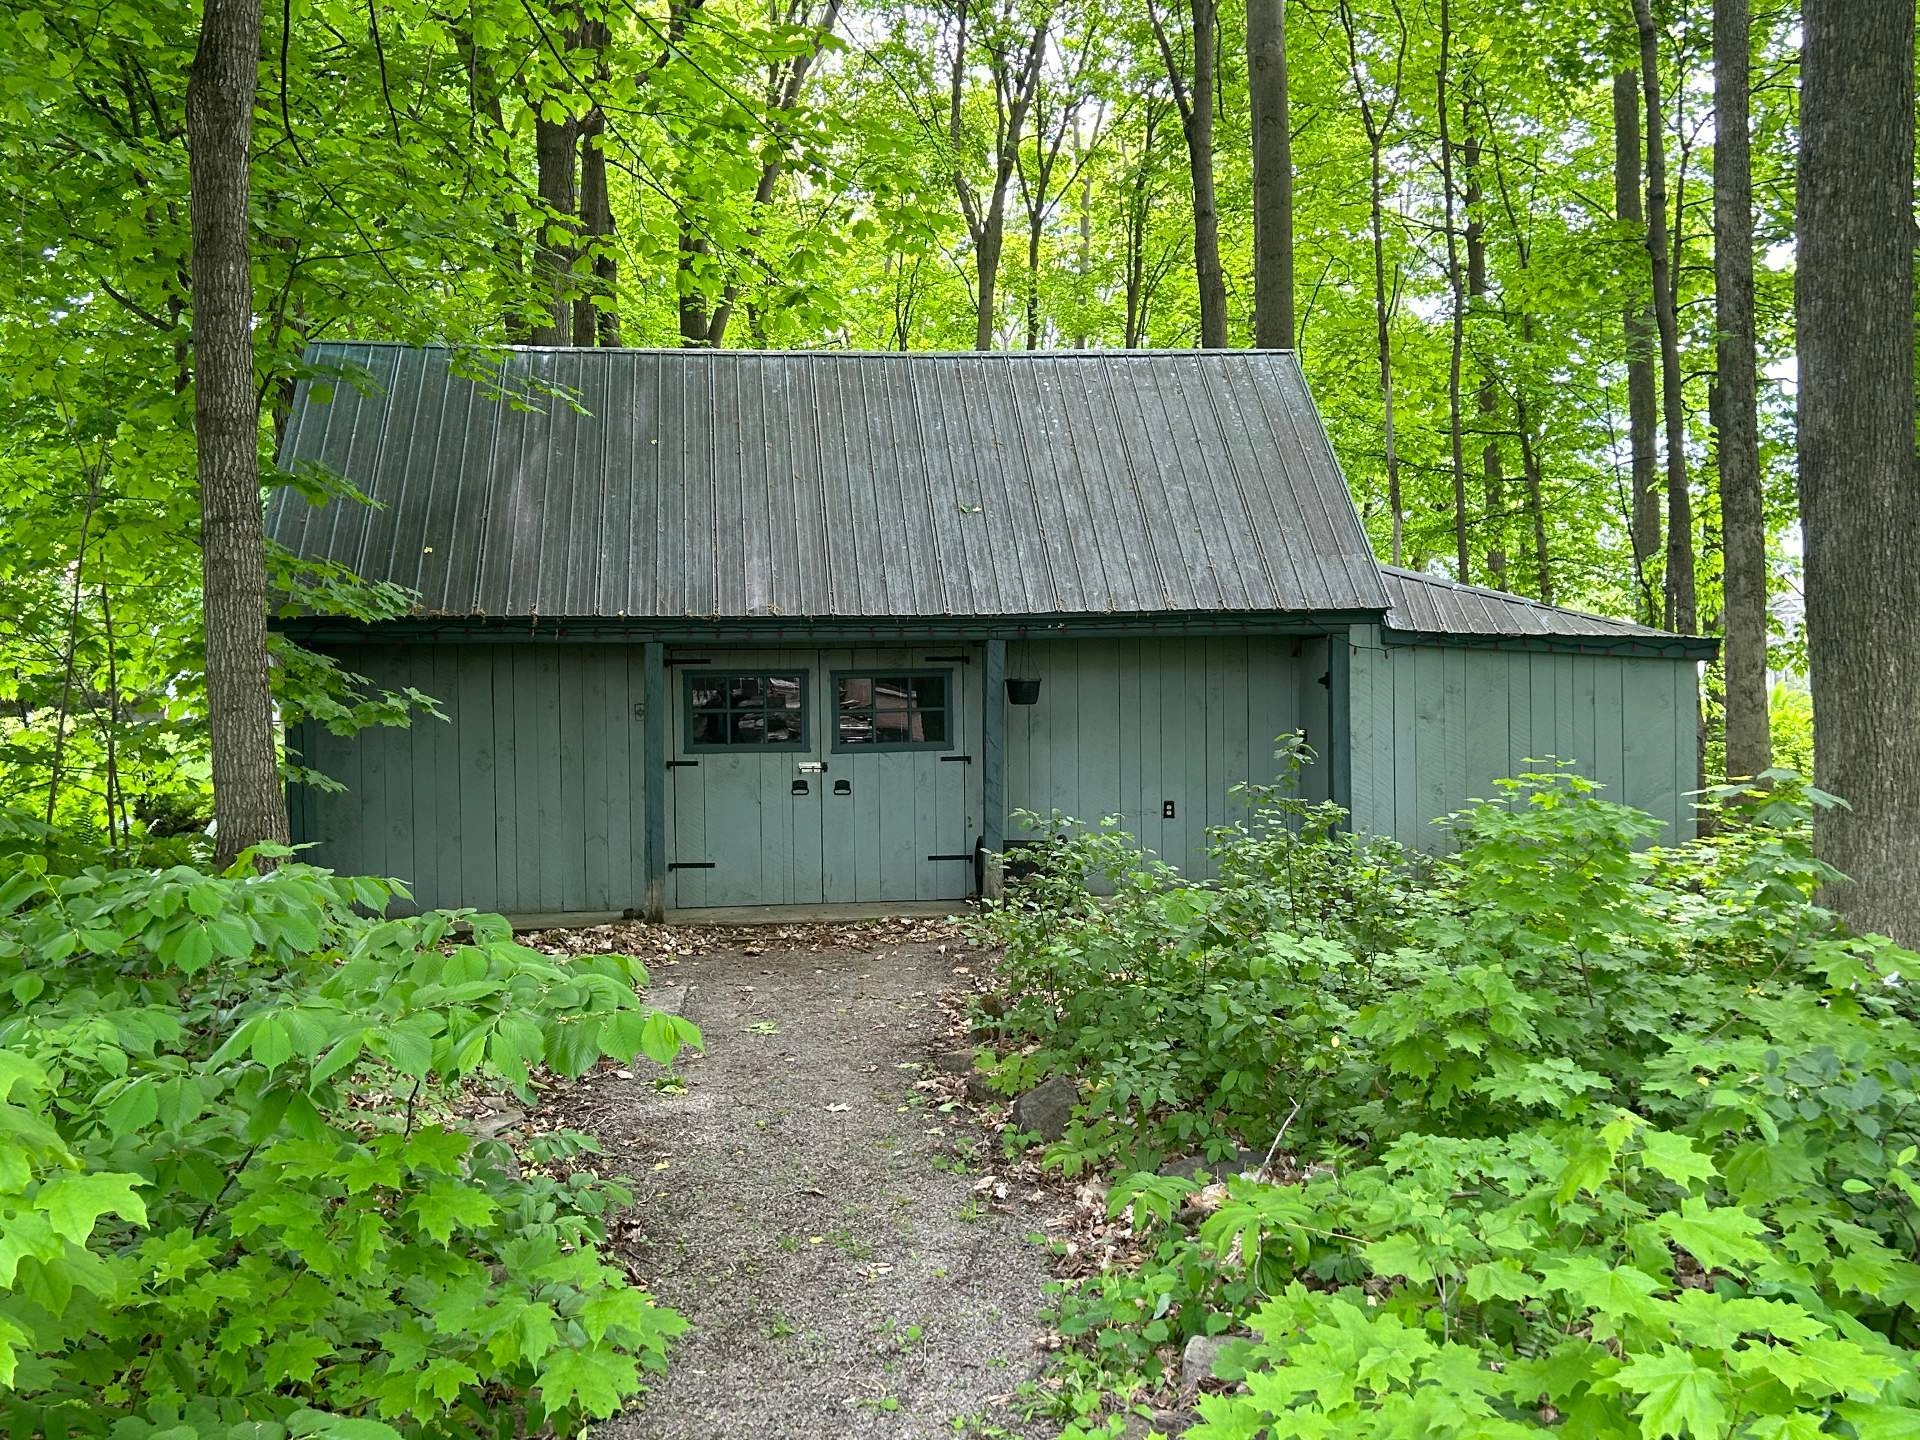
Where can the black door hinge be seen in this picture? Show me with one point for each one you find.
(690, 865)
(680, 764)
(956, 759)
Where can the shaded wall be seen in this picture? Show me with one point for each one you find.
(1434, 726)
(528, 797)
(1124, 726)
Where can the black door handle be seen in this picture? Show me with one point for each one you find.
(800, 787)
(843, 787)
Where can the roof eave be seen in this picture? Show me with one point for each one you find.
(801, 629)
(1653, 646)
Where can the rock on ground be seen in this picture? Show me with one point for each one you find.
(1046, 1108)
(1200, 1359)
(789, 1205)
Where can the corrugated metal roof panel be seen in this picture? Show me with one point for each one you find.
(1425, 604)
(596, 483)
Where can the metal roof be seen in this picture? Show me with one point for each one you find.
(604, 482)
(1423, 604)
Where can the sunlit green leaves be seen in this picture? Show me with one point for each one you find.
(1719, 1237)
(73, 1204)
(211, 1172)
(1677, 1395)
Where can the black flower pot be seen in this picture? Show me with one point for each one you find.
(1022, 692)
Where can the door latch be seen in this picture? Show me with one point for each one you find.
(812, 767)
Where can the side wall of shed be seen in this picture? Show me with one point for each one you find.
(529, 797)
(1122, 727)
(1435, 725)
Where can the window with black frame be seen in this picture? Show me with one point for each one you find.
(761, 709)
(893, 710)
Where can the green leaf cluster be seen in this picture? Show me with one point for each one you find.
(1626, 1144)
(234, 1197)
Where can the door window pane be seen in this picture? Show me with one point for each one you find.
(760, 709)
(898, 710)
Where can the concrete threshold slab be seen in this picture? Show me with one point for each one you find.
(749, 915)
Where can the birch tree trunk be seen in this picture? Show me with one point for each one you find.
(249, 804)
(1859, 492)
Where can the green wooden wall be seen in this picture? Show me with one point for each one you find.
(1434, 726)
(1122, 726)
(528, 797)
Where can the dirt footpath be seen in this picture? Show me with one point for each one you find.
(812, 1213)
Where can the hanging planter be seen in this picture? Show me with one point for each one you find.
(1022, 692)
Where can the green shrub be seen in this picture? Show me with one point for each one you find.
(232, 1198)
(1194, 1011)
(1617, 1278)
(1627, 1143)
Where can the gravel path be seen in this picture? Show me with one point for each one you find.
(793, 1205)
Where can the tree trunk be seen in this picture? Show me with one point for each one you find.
(1083, 299)
(596, 320)
(1536, 501)
(1376, 124)
(1859, 494)
(1642, 389)
(1383, 342)
(556, 145)
(785, 87)
(1457, 328)
(1035, 222)
(987, 225)
(596, 317)
(1195, 100)
(1743, 523)
(1206, 211)
(694, 319)
(1272, 175)
(249, 805)
(1487, 396)
(1682, 611)
(483, 89)
(986, 254)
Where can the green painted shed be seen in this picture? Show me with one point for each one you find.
(749, 628)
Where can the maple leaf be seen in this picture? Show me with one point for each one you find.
(1719, 1237)
(1678, 1395)
(1676, 1157)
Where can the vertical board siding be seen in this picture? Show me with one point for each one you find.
(1123, 726)
(1433, 727)
(528, 797)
